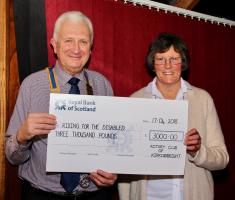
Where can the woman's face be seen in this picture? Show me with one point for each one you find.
(168, 67)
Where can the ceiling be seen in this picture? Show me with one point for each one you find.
(210, 7)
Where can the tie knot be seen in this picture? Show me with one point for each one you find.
(74, 86)
(73, 81)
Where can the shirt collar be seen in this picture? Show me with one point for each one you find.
(64, 77)
(185, 86)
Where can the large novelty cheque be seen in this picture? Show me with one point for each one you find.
(117, 134)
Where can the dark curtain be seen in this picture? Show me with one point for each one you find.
(30, 36)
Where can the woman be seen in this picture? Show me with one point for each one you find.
(168, 56)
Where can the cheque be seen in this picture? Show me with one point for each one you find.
(117, 134)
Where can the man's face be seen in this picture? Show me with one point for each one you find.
(72, 46)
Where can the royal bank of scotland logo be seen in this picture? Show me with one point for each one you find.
(60, 105)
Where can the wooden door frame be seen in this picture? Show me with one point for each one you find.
(4, 64)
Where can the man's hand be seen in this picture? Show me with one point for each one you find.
(36, 124)
(192, 141)
(102, 178)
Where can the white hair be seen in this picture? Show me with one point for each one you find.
(74, 16)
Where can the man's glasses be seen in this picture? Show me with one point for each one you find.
(171, 60)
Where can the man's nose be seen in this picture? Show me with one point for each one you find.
(76, 47)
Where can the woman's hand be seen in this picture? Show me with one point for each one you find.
(192, 141)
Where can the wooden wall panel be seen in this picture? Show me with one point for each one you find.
(13, 64)
(12, 183)
(9, 85)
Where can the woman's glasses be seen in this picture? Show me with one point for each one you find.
(171, 60)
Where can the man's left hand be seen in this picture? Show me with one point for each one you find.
(102, 178)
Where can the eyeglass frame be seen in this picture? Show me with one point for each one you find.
(170, 60)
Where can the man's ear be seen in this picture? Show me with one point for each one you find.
(53, 44)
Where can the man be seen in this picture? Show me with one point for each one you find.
(26, 137)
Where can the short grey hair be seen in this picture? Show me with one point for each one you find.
(76, 16)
